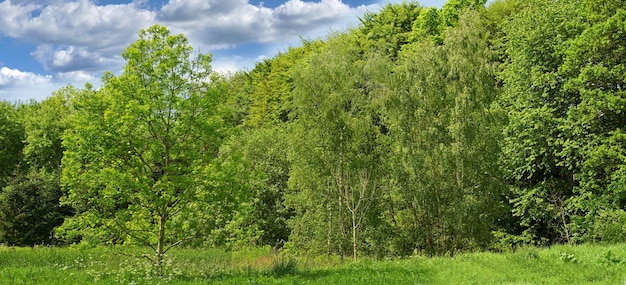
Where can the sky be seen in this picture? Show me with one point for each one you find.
(48, 44)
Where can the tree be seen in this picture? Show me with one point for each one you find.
(337, 138)
(44, 124)
(31, 202)
(451, 11)
(539, 161)
(593, 141)
(265, 150)
(388, 30)
(444, 132)
(432, 22)
(139, 157)
(271, 85)
(29, 209)
(11, 141)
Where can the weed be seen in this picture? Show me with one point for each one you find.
(530, 253)
(609, 258)
(568, 257)
(283, 266)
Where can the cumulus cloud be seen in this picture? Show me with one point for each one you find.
(70, 30)
(76, 39)
(73, 58)
(191, 10)
(16, 85)
(247, 23)
(11, 77)
(296, 12)
(73, 35)
(230, 64)
(76, 78)
(80, 23)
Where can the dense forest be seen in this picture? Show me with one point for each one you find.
(420, 131)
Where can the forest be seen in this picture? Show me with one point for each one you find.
(420, 131)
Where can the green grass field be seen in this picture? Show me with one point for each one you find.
(585, 264)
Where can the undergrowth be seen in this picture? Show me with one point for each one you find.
(584, 264)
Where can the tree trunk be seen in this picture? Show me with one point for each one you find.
(354, 236)
(161, 241)
(330, 231)
(342, 229)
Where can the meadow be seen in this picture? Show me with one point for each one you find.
(584, 264)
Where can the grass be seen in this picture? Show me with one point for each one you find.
(584, 264)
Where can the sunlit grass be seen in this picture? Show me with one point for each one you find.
(585, 264)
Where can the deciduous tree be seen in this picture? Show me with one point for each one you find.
(140, 153)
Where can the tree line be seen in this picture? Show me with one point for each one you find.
(420, 131)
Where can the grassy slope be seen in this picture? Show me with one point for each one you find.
(586, 264)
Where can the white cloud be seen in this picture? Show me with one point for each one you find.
(78, 39)
(73, 58)
(77, 78)
(10, 77)
(230, 64)
(81, 23)
(74, 35)
(308, 13)
(104, 31)
(16, 85)
(248, 23)
(192, 10)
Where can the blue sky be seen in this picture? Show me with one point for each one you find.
(47, 44)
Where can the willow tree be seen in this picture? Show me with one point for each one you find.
(337, 167)
(140, 151)
(444, 145)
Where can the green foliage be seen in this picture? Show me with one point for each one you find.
(337, 148)
(29, 210)
(266, 152)
(568, 257)
(283, 266)
(421, 131)
(388, 30)
(428, 25)
(140, 156)
(445, 132)
(531, 149)
(451, 11)
(11, 141)
(271, 84)
(432, 22)
(44, 124)
(563, 144)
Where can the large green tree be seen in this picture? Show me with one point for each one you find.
(562, 147)
(139, 157)
(445, 152)
(594, 141)
(11, 141)
(564, 150)
(338, 151)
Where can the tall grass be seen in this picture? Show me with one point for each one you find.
(585, 264)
